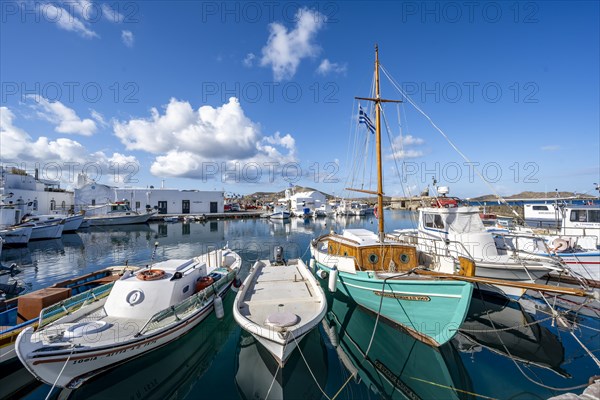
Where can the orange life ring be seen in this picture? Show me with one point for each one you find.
(150, 274)
(203, 283)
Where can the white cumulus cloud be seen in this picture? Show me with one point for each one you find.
(401, 148)
(19, 147)
(65, 118)
(285, 49)
(326, 67)
(127, 38)
(185, 140)
(65, 20)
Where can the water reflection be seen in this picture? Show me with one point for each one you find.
(396, 366)
(503, 327)
(258, 375)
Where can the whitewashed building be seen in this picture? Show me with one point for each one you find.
(302, 200)
(166, 201)
(33, 195)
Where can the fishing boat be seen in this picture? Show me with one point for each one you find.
(377, 272)
(166, 373)
(71, 222)
(118, 213)
(23, 311)
(16, 235)
(280, 212)
(143, 311)
(279, 303)
(449, 230)
(45, 230)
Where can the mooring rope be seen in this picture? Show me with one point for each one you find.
(309, 369)
(60, 373)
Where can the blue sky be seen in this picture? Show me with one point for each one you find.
(249, 96)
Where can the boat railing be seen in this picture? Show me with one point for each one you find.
(435, 246)
(72, 304)
(511, 242)
(187, 307)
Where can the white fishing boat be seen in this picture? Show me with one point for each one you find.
(20, 312)
(16, 235)
(144, 310)
(279, 303)
(116, 214)
(45, 230)
(449, 231)
(280, 212)
(72, 222)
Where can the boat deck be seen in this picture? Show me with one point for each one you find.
(279, 288)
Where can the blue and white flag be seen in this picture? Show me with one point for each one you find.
(363, 118)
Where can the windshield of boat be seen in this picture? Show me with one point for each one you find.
(464, 223)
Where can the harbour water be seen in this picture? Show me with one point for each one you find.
(345, 358)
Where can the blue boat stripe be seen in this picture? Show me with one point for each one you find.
(407, 293)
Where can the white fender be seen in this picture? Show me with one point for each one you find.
(333, 279)
(218, 304)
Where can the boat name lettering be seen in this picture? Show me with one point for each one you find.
(403, 296)
(85, 360)
(395, 380)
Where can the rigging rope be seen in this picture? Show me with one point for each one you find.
(500, 198)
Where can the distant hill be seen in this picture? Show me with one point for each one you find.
(273, 196)
(532, 195)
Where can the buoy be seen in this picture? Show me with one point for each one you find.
(333, 279)
(218, 304)
(312, 264)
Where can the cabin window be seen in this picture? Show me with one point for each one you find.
(540, 208)
(434, 221)
(185, 289)
(330, 248)
(373, 258)
(345, 254)
(404, 258)
(593, 216)
(578, 216)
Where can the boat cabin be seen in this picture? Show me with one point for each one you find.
(369, 254)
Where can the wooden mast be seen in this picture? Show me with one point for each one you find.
(378, 100)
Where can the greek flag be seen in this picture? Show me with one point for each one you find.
(363, 118)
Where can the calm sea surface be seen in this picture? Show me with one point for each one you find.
(219, 361)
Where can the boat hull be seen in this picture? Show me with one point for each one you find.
(16, 236)
(47, 232)
(71, 367)
(431, 311)
(583, 264)
(119, 220)
(73, 222)
(268, 289)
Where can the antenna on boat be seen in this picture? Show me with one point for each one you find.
(153, 254)
(377, 100)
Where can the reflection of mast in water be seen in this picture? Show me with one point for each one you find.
(258, 374)
(486, 325)
(397, 366)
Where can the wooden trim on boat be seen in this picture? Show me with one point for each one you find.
(501, 282)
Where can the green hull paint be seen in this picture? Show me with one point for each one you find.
(435, 309)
